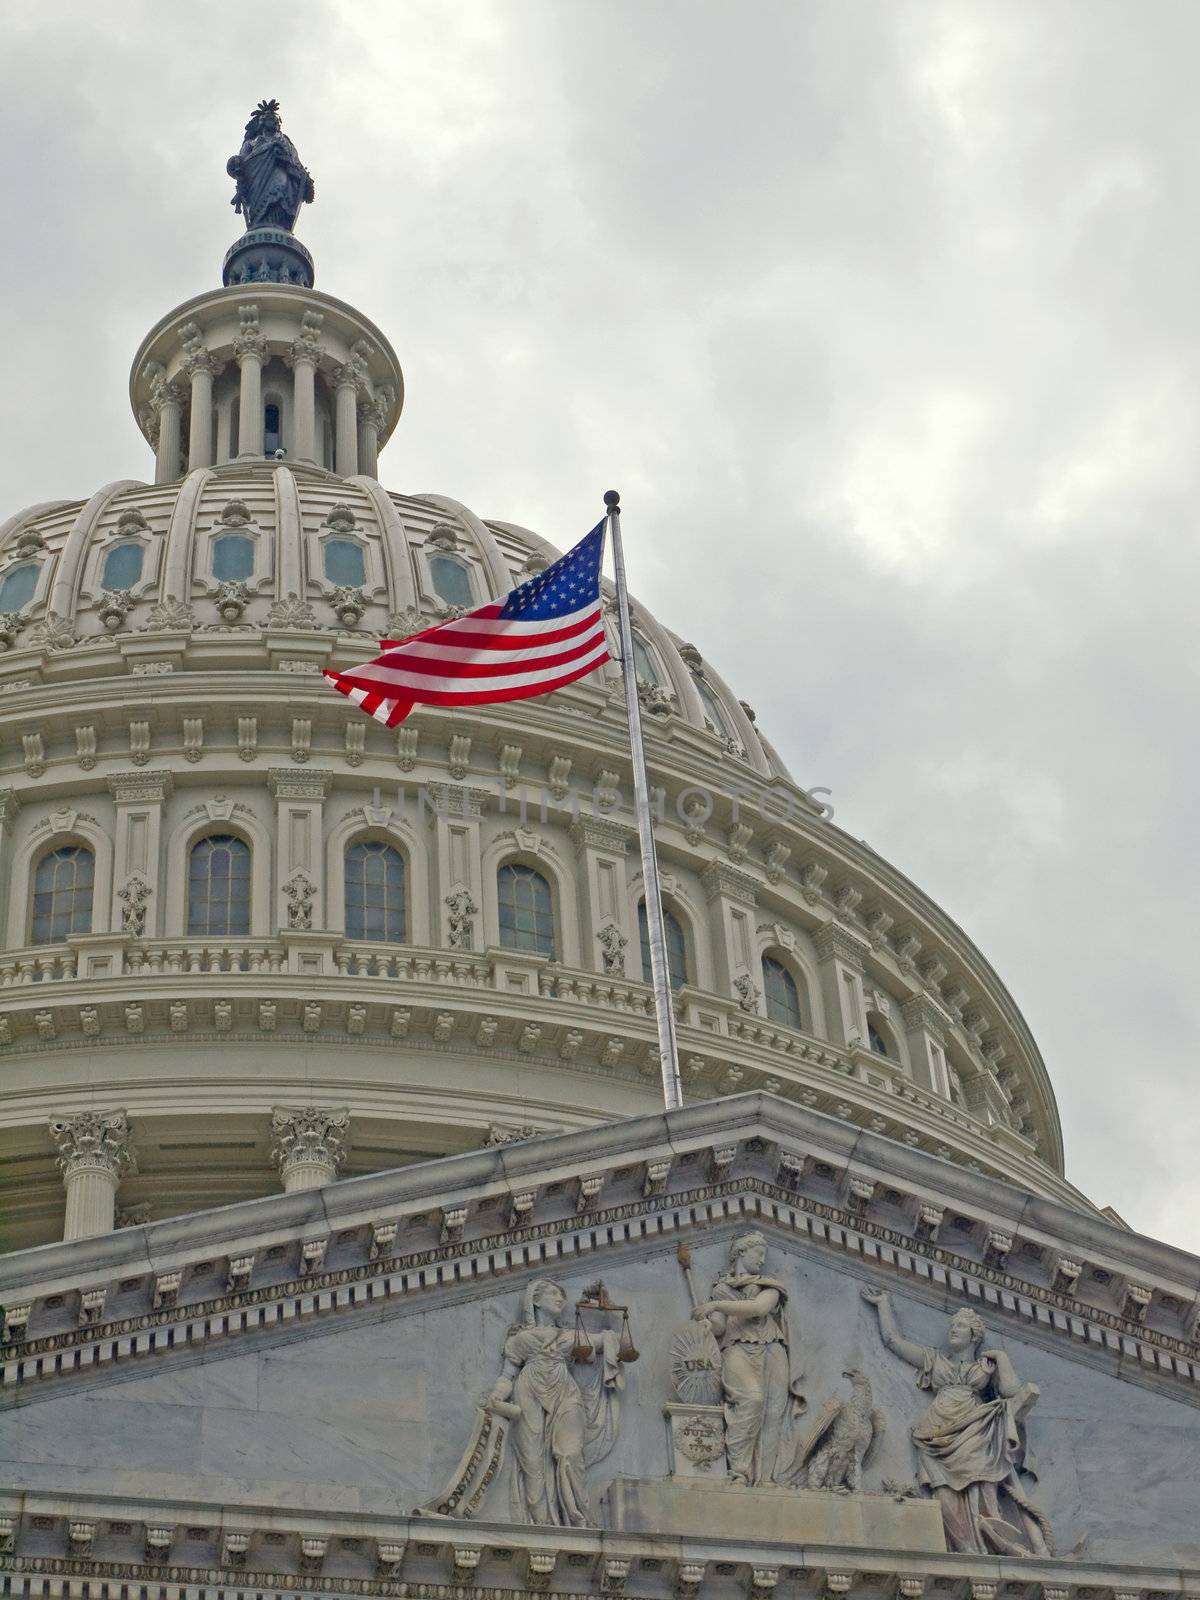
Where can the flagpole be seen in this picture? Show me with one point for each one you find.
(660, 975)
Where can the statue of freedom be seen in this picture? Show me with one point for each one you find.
(272, 182)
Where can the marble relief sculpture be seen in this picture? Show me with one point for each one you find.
(539, 1426)
(747, 1315)
(970, 1443)
(841, 1440)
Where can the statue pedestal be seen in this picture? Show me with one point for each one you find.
(715, 1508)
(696, 1440)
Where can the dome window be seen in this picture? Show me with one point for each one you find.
(781, 995)
(714, 711)
(877, 1036)
(644, 663)
(451, 581)
(219, 887)
(18, 587)
(676, 947)
(62, 894)
(344, 563)
(526, 910)
(123, 567)
(272, 434)
(232, 558)
(375, 892)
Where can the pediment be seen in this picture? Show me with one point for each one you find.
(330, 1351)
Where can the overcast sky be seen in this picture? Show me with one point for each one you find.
(883, 317)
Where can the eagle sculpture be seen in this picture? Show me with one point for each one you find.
(840, 1440)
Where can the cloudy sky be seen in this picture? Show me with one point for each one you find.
(881, 315)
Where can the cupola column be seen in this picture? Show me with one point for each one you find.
(372, 416)
(201, 366)
(841, 961)
(304, 357)
(250, 348)
(308, 1145)
(95, 1152)
(168, 405)
(346, 443)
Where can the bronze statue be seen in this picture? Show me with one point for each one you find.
(272, 182)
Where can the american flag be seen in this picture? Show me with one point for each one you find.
(547, 633)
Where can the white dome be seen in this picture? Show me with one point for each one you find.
(160, 689)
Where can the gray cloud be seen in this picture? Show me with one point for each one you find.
(881, 317)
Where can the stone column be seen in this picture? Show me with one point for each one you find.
(139, 799)
(924, 1028)
(602, 845)
(299, 866)
(304, 357)
(732, 896)
(308, 1145)
(10, 804)
(346, 381)
(840, 962)
(167, 401)
(250, 348)
(373, 416)
(95, 1152)
(457, 810)
(201, 366)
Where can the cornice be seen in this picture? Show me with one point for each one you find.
(892, 1211)
(134, 787)
(288, 784)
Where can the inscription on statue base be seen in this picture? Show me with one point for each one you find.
(715, 1508)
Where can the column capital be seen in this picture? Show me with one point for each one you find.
(134, 788)
(921, 1015)
(834, 940)
(374, 410)
(95, 1141)
(720, 879)
(10, 804)
(347, 376)
(251, 341)
(600, 833)
(288, 784)
(308, 1136)
(304, 349)
(167, 393)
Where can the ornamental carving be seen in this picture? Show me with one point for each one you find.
(169, 613)
(842, 1439)
(292, 612)
(94, 1140)
(341, 518)
(114, 608)
(307, 347)
(135, 898)
(462, 909)
(52, 632)
(300, 893)
(348, 604)
(232, 598)
(250, 340)
(612, 949)
(10, 627)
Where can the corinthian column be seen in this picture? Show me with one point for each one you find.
(201, 366)
(346, 380)
(250, 348)
(167, 401)
(304, 357)
(309, 1145)
(95, 1151)
(373, 417)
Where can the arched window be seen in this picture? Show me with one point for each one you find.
(526, 910)
(451, 581)
(781, 994)
(123, 566)
(375, 892)
(714, 712)
(272, 437)
(344, 562)
(18, 586)
(62, 894)
(877, 1036)
(219, 887)
(644, 663)
(232, 557)
(676, 947)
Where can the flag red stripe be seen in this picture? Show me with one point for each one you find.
(400, 666)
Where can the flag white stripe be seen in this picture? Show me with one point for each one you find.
(390, 677)
(475, 624)
(480, 654)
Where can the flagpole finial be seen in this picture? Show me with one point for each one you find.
(612, 499)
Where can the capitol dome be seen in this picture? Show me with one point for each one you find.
(255, 940)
